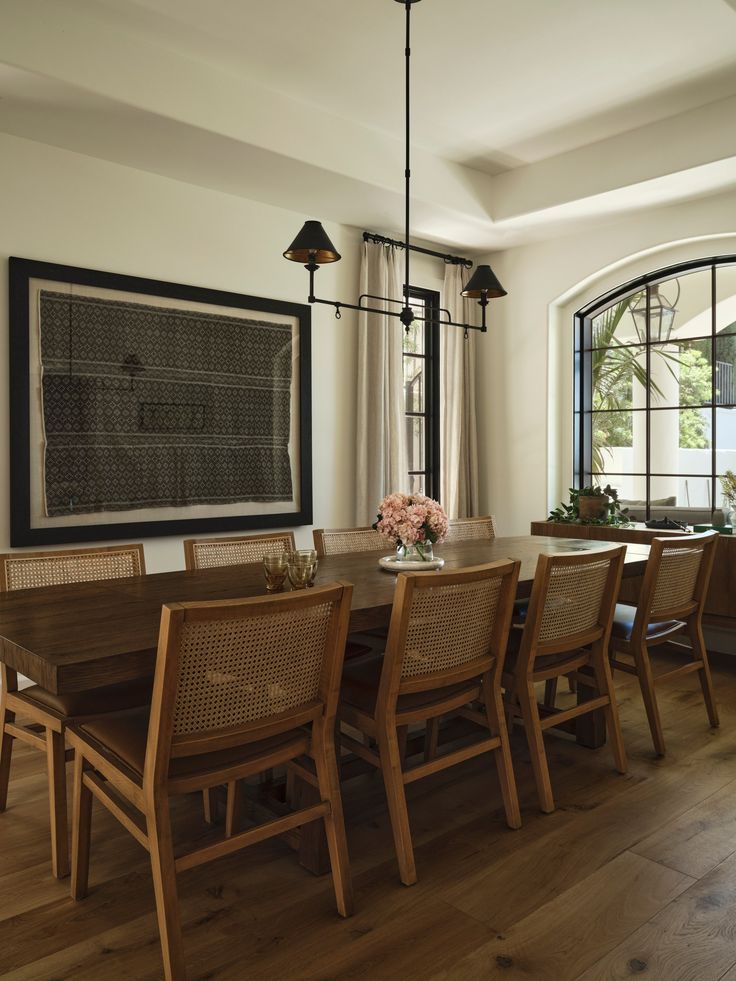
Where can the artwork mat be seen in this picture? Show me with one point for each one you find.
(29, 525)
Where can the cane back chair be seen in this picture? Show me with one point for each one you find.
(446, 648)
(210, 553)
(471, 529)
(338, 541)
(240, 686)
(49, 714)
(671, 602)
(567, 628)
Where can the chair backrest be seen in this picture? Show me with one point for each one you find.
(468, 529)
(211, 553)
(28, 570)
(336, 541)
(676, 578)
(572, 602)
(447, 628)
(230, 672)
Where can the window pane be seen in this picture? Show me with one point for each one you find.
(725, 299)
(680, 441)
(414, 337)
(616, 325)
(726, 370)
(416, 483)
(681, 307)
(681, 373)
(415, 442)
(725, 440)
(632, 490)
(414, 384)
(619, 442)
(618, 378)
(688, 493)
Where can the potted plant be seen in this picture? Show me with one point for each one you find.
(591, 506)
(728, 486)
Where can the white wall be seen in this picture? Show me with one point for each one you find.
(525, 381)
(63, 207)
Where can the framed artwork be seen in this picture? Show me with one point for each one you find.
(142, 408)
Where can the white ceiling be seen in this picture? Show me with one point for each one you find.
(527, 116)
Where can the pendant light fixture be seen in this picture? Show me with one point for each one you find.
(654, 314)
(313, 248)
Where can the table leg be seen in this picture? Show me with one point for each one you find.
(590, 729)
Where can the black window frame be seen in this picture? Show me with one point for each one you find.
(431, 356)
(583, 473)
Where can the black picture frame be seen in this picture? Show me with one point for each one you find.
(21, 273)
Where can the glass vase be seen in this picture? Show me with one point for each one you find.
(421, 552)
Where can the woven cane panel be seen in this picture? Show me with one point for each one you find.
(354, 540)
(238, 671)
(468, 529)
(450, 626)
(210, 555)
(573, 599)
(26, 572)
(678, 573)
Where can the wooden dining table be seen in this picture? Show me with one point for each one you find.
(83, 636)
(80, 637)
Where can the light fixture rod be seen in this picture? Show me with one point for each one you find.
(407, 172)
(339, 306)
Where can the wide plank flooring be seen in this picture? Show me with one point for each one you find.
(631, 876)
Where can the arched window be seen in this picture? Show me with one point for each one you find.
(655, 389)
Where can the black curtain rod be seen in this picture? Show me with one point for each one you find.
(454, 260)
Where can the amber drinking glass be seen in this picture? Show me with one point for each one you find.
(302, 568)
(275, 568)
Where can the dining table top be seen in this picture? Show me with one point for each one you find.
(83, 636)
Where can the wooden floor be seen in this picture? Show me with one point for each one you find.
(631, 876)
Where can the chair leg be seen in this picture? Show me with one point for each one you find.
(706, 682)
(504, 764)
(6, 751)
(325, 763)
(572, 683)
(209, 805)
(164, 887)
(235, 807)
(535, 739)
(81, 830)
(431, 738)
(604, 681)
(56, 773)
(646, 683)
(388, 745)
(550, 692)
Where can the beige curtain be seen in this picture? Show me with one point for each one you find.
(381, 427)
(458, 428)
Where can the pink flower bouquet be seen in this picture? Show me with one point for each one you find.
(411, 520)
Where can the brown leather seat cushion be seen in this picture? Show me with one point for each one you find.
(623, 624)
(360, 687)
(125, 736)
(111, 698)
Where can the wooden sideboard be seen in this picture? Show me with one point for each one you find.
(720, 607)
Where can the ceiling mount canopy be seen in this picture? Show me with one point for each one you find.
(312, 247)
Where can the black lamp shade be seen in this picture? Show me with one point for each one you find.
(482, 283)
(312, 244)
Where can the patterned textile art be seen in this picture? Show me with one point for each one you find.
(151, 406)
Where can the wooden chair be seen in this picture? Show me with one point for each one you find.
(50, 714)
(567, 628)
(240, 685)
(338, 541)
(671, 602)
(210, 553)
(446, 648)
(472, 529)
